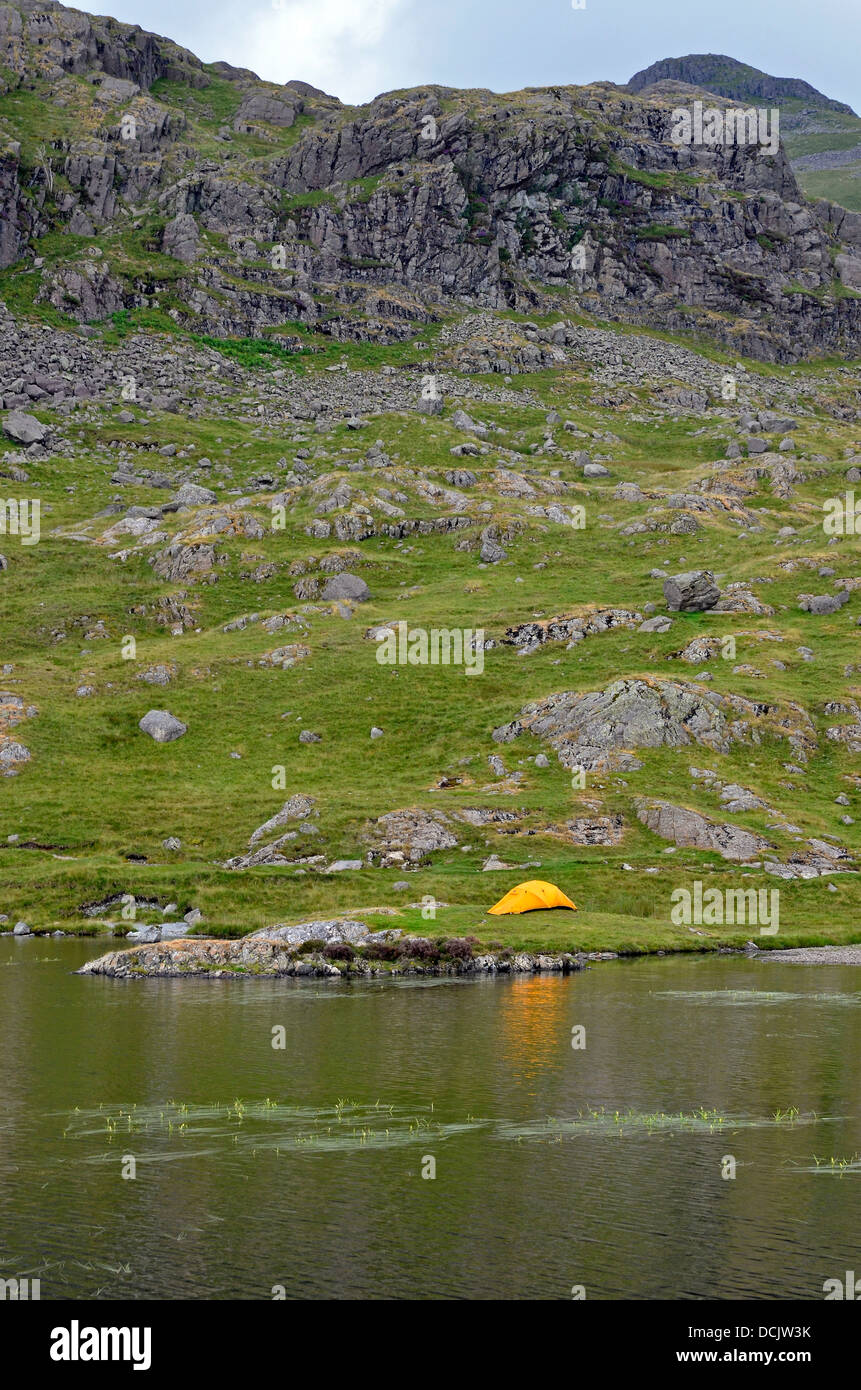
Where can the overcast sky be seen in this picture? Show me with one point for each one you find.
(359, 48)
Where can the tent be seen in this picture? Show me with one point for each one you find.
(530, 897)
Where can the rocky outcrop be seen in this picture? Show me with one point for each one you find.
(264, 956)
(297, 807)
(13, 711)
(847, 734)
(79, 43)
(698, 650)
(298, 813)
(691, 830)
(376, 217)
(19, 219)
(86, 292)
(181, 239)
(595, 729)
(530, 636)
(337, 929)
(179, 562)
(595, 830)
(408, 836)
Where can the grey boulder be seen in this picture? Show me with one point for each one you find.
(348, 586)
(691, 830)
(823, 603)
(692, 592)
(193, 495)
(162, 726)
(24, 429)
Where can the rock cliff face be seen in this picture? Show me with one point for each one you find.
(237, 205)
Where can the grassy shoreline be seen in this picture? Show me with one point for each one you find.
(581, 933)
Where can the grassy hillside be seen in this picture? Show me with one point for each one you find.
(227, 325)
(86, 817)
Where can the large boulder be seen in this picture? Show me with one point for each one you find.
(24, 429)
(692, 592)
(346, 586)
(462, 421)
(193, 495)
(823, 603)
(162, 726)
(690, 830)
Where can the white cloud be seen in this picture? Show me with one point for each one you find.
(340, 45)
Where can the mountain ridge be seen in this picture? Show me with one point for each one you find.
(729, 77)
(136, 179)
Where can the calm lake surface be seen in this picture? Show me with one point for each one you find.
(302, 1166)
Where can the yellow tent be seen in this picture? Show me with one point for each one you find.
(530, 897)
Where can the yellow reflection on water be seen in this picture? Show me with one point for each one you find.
(534, 1023)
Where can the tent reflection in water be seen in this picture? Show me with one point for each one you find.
(531, 897)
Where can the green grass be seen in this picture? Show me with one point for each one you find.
(658, 231)
(217, 103)
(250, 352)
(669, 180)
(841, 185)
(437, 723)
